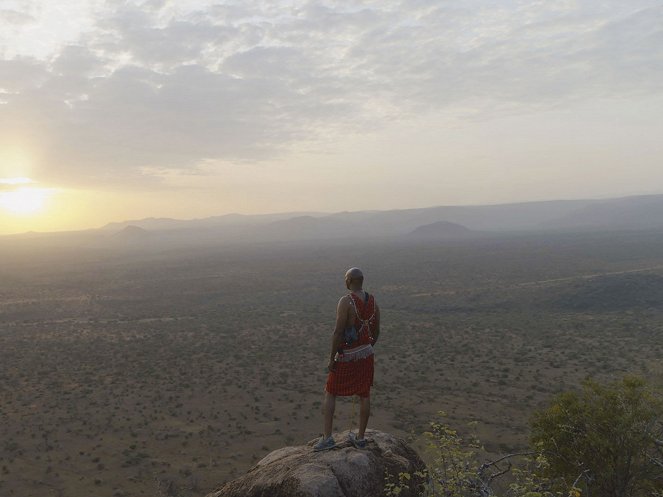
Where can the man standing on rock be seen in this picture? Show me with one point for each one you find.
(351, 360)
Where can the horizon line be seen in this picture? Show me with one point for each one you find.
(327, 213)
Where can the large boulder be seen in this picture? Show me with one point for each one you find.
(341, 472)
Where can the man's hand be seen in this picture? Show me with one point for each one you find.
(331, 367)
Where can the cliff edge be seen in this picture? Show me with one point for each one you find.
(341, 472)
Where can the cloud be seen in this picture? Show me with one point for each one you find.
(15, 17)
(13, 184)
(152, 87)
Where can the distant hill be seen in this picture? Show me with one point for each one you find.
(442, 230)
(622, 213)
(132, 232)
(503, 217)
(628, 213)
(150, 223)
(640, 212)
(234, 219)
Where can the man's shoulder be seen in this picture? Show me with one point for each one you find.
(348, 299)
(344, 300)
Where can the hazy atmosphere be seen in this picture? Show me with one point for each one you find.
(121, 110)
(361, 248)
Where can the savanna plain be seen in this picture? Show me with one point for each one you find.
(132, 370)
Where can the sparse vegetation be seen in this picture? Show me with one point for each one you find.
(123, 367)
(605, 440)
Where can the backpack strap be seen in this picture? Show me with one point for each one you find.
(364, 322)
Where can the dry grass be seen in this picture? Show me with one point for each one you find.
(145, 374)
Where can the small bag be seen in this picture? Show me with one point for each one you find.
(350, 335)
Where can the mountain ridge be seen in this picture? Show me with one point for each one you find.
(622, 213)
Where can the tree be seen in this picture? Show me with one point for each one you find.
(606, 438)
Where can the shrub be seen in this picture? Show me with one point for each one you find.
(609, 436)
(604, 441)
(455, 469)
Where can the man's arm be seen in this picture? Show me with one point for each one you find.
(337, 338)
(376, 331)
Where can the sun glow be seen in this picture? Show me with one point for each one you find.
(15, 181)
(22, 200)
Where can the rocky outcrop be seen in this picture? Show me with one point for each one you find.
(341, 472)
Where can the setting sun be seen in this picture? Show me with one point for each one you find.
(22, 200)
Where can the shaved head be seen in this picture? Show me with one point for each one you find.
(354, 272)
(354, 278)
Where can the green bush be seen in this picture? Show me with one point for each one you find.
(604, 441)
(607, 437)
(456, 468)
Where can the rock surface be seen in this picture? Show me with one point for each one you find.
(341, 472)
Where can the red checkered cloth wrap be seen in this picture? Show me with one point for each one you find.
(353, 374)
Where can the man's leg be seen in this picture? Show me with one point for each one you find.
(364, 413)
(328, 408)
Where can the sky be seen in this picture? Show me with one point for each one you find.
(128, 109)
